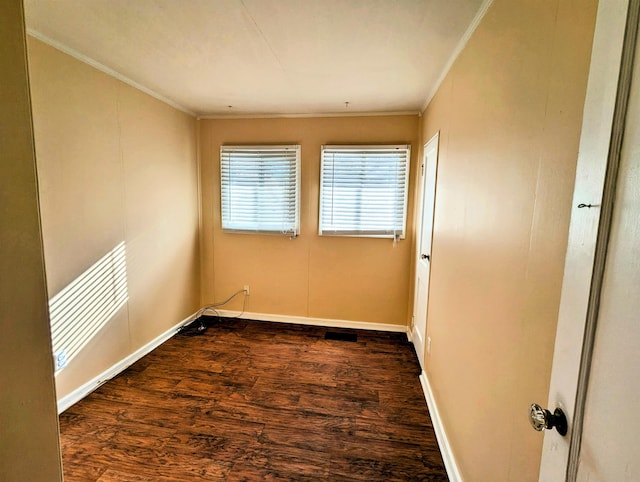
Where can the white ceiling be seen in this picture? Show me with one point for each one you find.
(266, 56)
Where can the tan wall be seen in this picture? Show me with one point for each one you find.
(357, 279)
(29, 446)
(115, 165)
(509, 114)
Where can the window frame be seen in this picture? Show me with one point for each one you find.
(323, 231)
(226, 150)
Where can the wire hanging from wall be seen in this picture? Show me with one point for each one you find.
(200, 324)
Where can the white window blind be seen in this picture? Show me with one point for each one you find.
(260, 188)
(363, 190)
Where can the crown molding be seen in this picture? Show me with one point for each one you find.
(109, 71)
(456, 52)
(306, 115)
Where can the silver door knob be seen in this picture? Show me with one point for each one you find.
(542, 419)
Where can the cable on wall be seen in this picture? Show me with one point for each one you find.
(200, 324)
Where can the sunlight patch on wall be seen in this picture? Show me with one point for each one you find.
(81, 309)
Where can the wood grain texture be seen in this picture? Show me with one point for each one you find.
(258, 401)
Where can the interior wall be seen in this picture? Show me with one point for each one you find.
(339, 278)
(115, 165)
(29, 445)
(509, 114)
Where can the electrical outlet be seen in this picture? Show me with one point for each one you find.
(428, 345)
(246, 290)
(60, 359)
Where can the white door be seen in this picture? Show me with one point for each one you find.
(609, 447)
(591, 378)
(423, 251)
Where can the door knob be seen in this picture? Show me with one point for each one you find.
(424, 256)
(542, 419)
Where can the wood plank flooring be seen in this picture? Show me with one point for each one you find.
(258, 401)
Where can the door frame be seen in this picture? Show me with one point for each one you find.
(419, 219)
(592, 206)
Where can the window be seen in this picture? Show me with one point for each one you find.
(363, 191)
(260, 189)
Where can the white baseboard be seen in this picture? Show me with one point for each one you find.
(84, 390)
(445, 448)
(303, 320)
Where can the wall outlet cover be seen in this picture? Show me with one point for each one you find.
(60, 359)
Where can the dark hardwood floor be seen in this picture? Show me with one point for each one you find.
(258, 401)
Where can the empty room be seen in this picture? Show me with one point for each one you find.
(342, 240)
